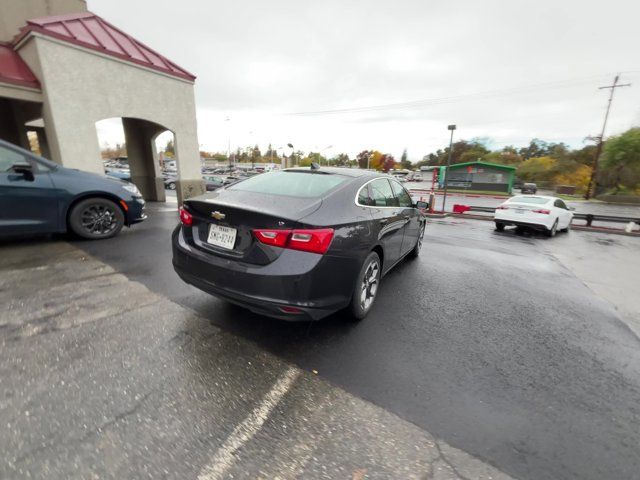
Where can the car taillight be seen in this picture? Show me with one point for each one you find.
(543, 211)
(502, 207)
(185, 217)
(277, 238)
(315, 240)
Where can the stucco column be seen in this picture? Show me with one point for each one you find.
(145, 173)
(190, 183)
(74, 142)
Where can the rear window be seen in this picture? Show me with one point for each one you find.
(292, 184)
(533, 200)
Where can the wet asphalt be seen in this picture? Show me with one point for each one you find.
(487, 341)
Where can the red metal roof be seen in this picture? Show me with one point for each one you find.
(90, 31)
(13, 69)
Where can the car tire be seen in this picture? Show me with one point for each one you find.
(415, 252)
(553, 230)
(171, 185)
(499, 226)
(96, 219)
(367, 286)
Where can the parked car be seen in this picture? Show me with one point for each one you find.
(531, 188)
(298, 244)
(121, 174)
(548, 214)
(417, 177)
(170, 182)
(230, 179)
(212, 182)
(517, 184)
(40, 196)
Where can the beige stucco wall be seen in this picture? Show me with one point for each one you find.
(15, 13)
(81, 87)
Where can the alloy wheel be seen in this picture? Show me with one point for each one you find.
(98, 219)
(369, 286)
(422, 228)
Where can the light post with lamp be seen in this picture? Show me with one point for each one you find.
(446, 172)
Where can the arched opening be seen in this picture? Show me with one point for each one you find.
(140, 151)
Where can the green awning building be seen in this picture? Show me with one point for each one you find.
(485, 176)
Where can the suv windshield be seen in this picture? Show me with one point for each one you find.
(293, 184)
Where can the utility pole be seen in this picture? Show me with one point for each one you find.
(446, 172)
(594, 174)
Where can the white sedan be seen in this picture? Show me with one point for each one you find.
(548, 214)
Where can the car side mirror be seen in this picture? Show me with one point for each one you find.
(24, 169)
(572, 209)
(420, 205)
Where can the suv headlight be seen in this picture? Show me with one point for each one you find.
(132, 188)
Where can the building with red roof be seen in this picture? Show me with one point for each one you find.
(63, 69)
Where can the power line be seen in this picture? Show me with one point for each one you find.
(594, 173)
(448, 99)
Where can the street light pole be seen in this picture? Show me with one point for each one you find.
(228, 141)
(446, 172)
(291, 156)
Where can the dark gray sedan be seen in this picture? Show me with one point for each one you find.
(298, 244)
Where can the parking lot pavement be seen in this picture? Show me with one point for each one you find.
(487, 341)
(609, 265)
(102, 378)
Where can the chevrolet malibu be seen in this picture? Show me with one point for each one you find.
(298, 244)
(548, 214)
(39, 196)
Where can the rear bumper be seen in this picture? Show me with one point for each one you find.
(545, 222)
(316, 285)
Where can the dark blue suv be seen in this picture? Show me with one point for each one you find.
(39, 196)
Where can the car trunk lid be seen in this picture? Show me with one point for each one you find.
(223, 222)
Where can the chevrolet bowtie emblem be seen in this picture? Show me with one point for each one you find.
(217, 215)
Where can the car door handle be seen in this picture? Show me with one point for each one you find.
(384, 221)
(406, 217)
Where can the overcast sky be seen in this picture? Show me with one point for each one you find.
(508, 70)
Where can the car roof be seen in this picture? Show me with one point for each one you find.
(347, 172)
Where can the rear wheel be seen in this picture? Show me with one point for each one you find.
(171, 186)
(366, 288)
(416, 250)
(499, 226)
(554, 229)
(96, 218)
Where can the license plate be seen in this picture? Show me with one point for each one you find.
(519, 210)
(223, 237)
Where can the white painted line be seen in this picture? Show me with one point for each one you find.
(245, 431)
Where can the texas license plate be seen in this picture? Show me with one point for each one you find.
(223, 237)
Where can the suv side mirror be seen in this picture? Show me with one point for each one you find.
(422, 205)
(24, 169)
